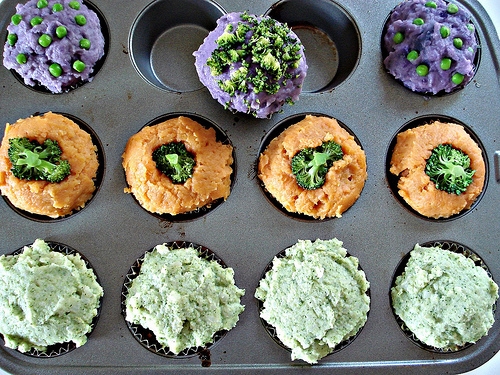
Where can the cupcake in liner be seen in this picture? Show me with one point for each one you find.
(179, 299)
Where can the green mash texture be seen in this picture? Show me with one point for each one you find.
(315, 297)
(46, 297)
(444, 298)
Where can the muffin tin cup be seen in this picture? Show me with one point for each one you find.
(273, 133)
(98, 179)
(271, 330)
(97, 67)
(445, 245)
(393, 179)
(59, 349)
(330, 36)
(163, 38)
(221, 137)
(145, 336)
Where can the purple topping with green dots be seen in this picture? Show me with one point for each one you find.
(44, 44)
(430, 45)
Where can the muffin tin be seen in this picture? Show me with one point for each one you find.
(147, 74)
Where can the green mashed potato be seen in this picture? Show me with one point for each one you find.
(444, 298)
(46, 298)
(182, 298)
(315, 297)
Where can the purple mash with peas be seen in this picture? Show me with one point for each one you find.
(430, 45)
(252, 64)
(53, 43)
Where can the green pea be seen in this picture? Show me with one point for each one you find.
(458, 43)
(79, 66)
(446, 63)
(444, 31)
(412, 55)
(55, 69)
(12, 39)
(418, 21)
(21, 58)
(44, 40)
(85, 43)
(74, 5)
(471, 27)
(422, 70)
(452, 8)
(398, 37)
(61, 31)
(57, 7)
(36, 21)
(457, 78)
(431, 4)
(42, 4)
(80, 19)
(16, 19)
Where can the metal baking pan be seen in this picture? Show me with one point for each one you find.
(148, 73)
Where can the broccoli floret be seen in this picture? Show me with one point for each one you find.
(175, 161)
(310, 165)
(449, 169)
(34, 161)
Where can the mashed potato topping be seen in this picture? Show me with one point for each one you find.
(444, 298)
(413, 148)
(344, 180)
(315, 297)
(154, 190)
(183, 298)
(46, 297)
(42, 197)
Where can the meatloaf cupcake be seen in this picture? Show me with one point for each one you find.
(441, 169)
(444, 298)
(430, 46)
(252, 64)
(177, 166)
(54, 43)
(47, 165)
(182, 297)
(316, 297)
(314, 167)
(47, 298)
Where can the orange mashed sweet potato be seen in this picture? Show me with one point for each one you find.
(345, 178)
(155, 191)
(413, 148)
(42, 197)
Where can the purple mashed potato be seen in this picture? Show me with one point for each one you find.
(71, 52)
(431, 45)
(243, 84)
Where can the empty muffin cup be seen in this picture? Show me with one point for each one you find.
(330, 36)
(163, 38)
(424, 192)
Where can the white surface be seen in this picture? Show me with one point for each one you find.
(492, 367)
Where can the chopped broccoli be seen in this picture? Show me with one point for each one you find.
(175, 161)
(449, 169)
(310, 165)
(34, 161)
(266, 50)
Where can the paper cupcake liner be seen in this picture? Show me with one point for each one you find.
(145, 336)
(445, 245)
